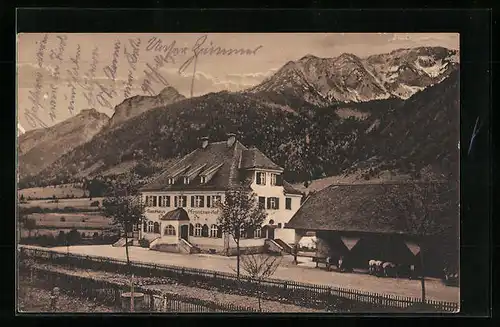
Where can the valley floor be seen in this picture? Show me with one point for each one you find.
(303, 272)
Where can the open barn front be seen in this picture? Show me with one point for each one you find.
(386, 248)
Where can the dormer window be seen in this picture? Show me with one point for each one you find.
(186, 180)
(170, 181)
(261, 178)
(203, 179)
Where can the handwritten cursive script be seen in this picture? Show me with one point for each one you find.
(110, 70)
(74, 73)
(132, 58)
(89, 77)
(56, 54)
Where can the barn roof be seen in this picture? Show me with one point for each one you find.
(380, 208)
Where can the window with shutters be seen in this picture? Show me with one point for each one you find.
(273, 203)
(213, 201)
(156, 228)
(151, 200)
(151, 227)
(197, 230)
(214, 229)
(197, 201)
(262, 202)
(288, 203)
(180, 201)
(164, 201)
(273, 179)
(261, 178)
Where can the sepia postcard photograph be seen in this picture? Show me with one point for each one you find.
(238, 173)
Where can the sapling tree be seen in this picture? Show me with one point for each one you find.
(240, 213)
(259, 267)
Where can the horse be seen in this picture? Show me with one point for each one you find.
(389, 269)
(371, 267)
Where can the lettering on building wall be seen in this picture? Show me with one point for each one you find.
(203, 212)
(155, 211)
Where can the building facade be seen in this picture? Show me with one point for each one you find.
(181, 204)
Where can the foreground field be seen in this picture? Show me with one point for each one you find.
(71, 220)
(59, 191)
(304, 272)
(37, 300)
(80, 203)
(167, 285)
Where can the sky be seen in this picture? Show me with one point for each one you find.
(60, 74)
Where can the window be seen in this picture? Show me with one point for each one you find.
(169, 230)
(180, 201)
(288, 203)
(257, 233)
(170, 181)
(204, 230)
(151, 200)
(214, 230)
(135, 228)
(197, 201)
(261, 178)
(213, 200)
(262, 202)
(150, 227)
(156, 228)
(279, 225)
(273, 203)
(145, 227)
(273, 179)
(243, 233)
(186, 180)
(191, 230)
(197, 230)
(203, 179)
(164, 201)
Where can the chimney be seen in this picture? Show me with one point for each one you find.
(204, 142)
(231, 138)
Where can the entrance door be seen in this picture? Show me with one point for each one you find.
(270, 233)
(184, 232)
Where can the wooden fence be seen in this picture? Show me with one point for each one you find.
(303, 294)
(109, 294)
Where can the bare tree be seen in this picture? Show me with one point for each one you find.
(421, 211)
(259, 267)
(240, 212)
(126, 211)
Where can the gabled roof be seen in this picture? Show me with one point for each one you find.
(218, 156)
(253, 158)
(178, 214)
(372, 208)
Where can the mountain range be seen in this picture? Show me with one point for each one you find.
(348, 78)
(316, 117)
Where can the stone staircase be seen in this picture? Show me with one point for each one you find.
(286, 247)
(121, 242)
(187, 248)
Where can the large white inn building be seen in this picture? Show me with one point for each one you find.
(181, 206)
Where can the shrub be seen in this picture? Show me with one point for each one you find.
(94, 204)
(144, 243)
(63, 219)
